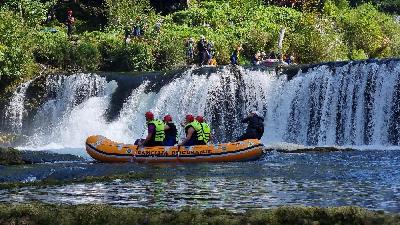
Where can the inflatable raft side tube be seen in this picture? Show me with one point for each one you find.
(174, 156)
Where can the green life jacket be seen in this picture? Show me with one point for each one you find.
(197, 127)
(160, 133)
(206, 131)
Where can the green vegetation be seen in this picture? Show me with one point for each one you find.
(10, 156)
(318, 31)
(37, 213)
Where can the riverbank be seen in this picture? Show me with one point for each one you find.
(110, 46)
(38, 213)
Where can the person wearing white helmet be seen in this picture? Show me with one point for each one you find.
(255, 126)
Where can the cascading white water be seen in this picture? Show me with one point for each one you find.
(354, 104)
(15, 110)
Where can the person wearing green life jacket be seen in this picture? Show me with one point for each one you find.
(155, 132)
(193, 131)
(206, 129)
(171, 133)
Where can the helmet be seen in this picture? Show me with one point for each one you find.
(255, 112)
(149, 115)
(167, 118)
(189, 118)
(200, 119)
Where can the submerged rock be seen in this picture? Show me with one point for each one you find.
(12, 156)
(30, 157)
(295, 148)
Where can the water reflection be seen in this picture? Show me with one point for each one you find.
(368, 179)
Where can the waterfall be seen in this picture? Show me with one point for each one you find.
(15, 110)
(356, 104)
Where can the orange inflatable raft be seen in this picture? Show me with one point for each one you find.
(105, 150)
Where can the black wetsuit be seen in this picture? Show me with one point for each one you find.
(201, 47)
(255, 128)
(170, 135)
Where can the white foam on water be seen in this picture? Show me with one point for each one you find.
(350, 105)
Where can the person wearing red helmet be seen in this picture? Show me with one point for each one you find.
(155, 131)
(70, 23)
(171, 133)
(193, 131)
(206, 129)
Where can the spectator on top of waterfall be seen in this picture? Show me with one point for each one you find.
(289, 59)
(210, 48)
(201, 48)
(210, 54)
(70, 23)
(235, 55)
(282, 60)
(255, 127)
(157, 27)
(127, 35)
(263, 56)
(189, 50)
(50, 15)
(256, 59)
(136, 30)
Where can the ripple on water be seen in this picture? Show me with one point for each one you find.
(365, 178)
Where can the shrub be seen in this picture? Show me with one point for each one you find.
(86, 56)
(364, 29)
(52, 49)
(315, 39)
(15, 52)
(358, 54)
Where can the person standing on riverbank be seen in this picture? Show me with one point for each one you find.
(235, 55)
(189, 51)
(70, 23)
(201, 48)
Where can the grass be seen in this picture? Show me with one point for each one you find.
(39, 213)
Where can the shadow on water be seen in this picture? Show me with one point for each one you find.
(363, 178)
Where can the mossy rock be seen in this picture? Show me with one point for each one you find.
(10, 156)
(39, 213)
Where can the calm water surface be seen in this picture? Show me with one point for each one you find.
(369, 179)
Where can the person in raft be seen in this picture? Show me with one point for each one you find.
(255, 127)
(206, 129)
(193, 131)
(171, 133)
(155, 132)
